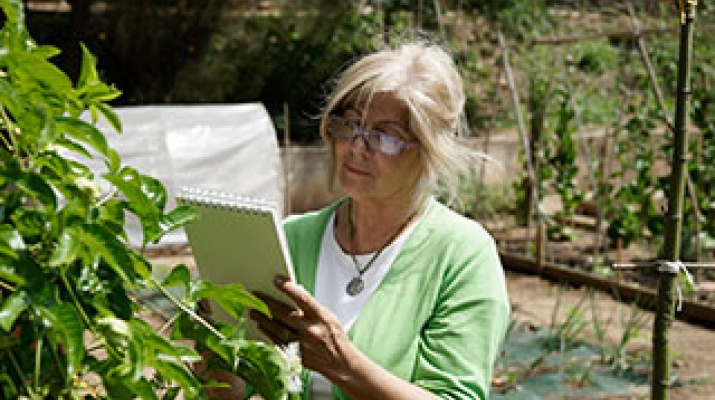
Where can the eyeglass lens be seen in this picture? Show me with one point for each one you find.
(374, 139)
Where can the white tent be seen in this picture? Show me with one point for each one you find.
(231, 148)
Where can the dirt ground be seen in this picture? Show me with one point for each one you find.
(693, 361)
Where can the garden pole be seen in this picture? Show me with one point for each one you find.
(533, 190)
(665, 307)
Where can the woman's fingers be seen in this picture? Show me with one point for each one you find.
(275, 330)
(303, 300)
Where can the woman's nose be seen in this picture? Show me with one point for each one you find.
(360, 140)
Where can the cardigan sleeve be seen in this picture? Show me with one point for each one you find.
(461, 340)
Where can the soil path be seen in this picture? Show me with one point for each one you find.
(534, 301)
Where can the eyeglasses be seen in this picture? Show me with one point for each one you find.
(374, 139)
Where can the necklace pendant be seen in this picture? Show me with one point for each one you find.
(355, 287)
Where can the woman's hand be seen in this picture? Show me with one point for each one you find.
(324, 345)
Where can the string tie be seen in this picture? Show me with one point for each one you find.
(675, 267)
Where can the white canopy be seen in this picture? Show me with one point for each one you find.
(231, 148)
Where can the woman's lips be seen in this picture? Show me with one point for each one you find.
(356, 170)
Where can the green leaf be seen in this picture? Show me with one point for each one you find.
(111, 215)
(48, 134)
(154, 190)
(142, 266)
(34, 68)
(110, 116)
(130, 183)
(262, 366)
(113, 162)
(179, 275)
(15, 27)
(140, 387)
(36, 185)
(101, 242)
(180, 375)
(115, 382)
(30, 222)
(162, 349)
(9, 271)
(68, 246)
(13, 306)
(178, 217)
(12, 10)
(73, 146)
(68, 328)
(84, 133)
(45, 51)
(88, 71)
(233, 298)
(10, 241)
(117, 331)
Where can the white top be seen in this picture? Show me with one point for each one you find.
(335, 270)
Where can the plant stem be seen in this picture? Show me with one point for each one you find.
(168, 323)
(9, 126)
(188, 310)
(20, 374)
(77, 305)
(38, 360)
(5, 285)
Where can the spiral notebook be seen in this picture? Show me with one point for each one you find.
(236, 239)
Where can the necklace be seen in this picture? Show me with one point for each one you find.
(357, 284)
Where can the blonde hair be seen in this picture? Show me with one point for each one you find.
(424, 77)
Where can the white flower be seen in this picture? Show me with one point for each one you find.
(294, 367)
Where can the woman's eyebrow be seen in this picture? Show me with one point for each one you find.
(397, 124)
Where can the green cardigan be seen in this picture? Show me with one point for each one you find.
(439, 316)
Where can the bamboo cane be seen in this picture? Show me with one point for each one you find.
(665, 307)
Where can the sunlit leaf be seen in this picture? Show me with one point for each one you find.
(36, 186)
(45, 51)
(31, 67)
(111, 216)
(67, 248)
(100, 241)
(182, 376)
(12, 307)
(178, 217)
(84, 133)
(68, 328)
(110, 116)
(263, 366)
(179, 275)
(73, 146)
(130, 185)
(140, 387)
(9, 270)
(30, 222)
(88, 71)
(116, 330)
(10, 241)
(233, 298)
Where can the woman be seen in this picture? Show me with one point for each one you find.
(399, 297)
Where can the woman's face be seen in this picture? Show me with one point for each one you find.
(367, 174)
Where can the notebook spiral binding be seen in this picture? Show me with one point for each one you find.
(224, 200)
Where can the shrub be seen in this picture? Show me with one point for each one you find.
(70, 326)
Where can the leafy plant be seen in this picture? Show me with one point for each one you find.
(562, 158)
(70, 327)
(635, 208)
